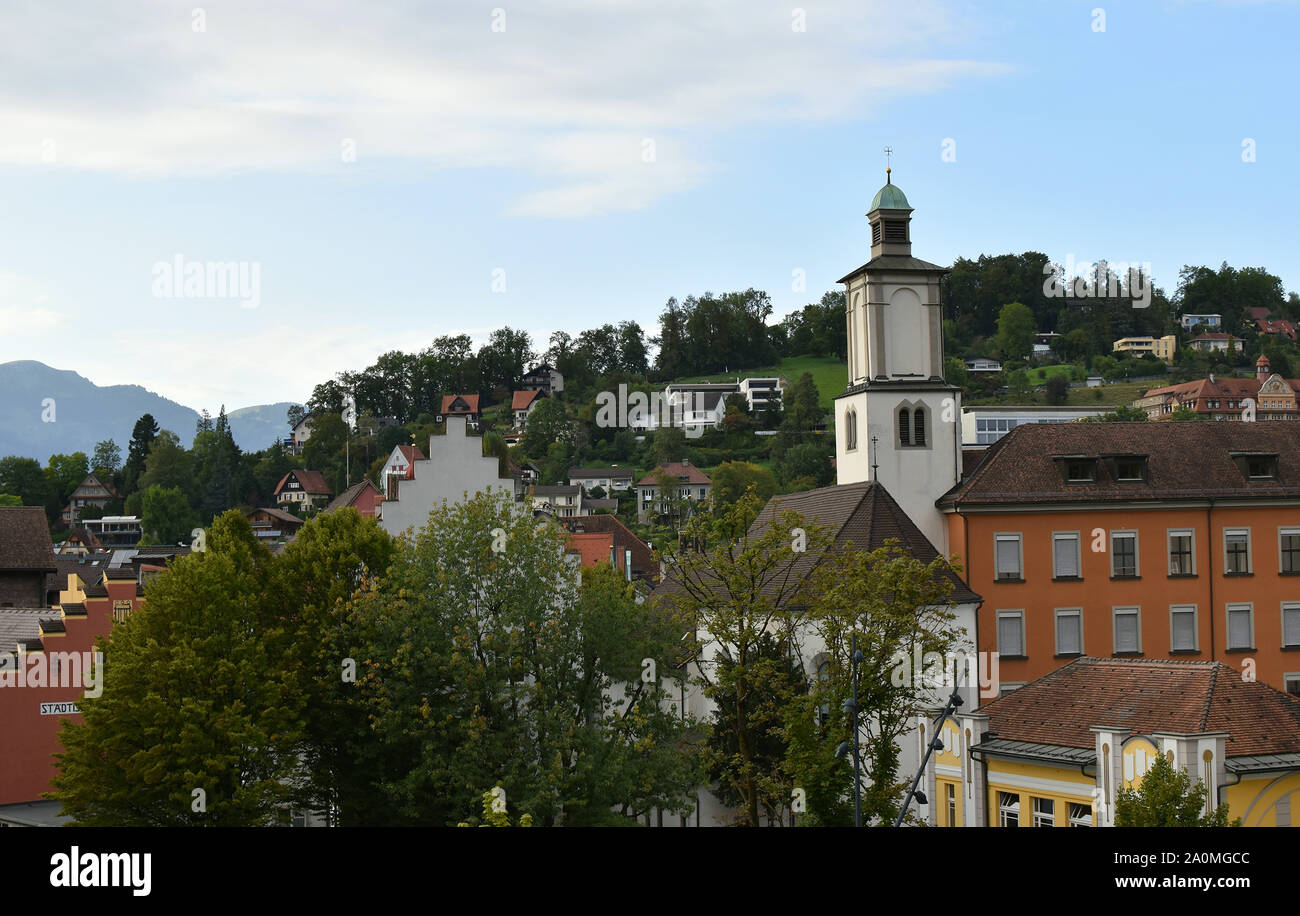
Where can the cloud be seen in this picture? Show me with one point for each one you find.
(567, 93)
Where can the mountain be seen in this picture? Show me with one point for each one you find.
(83, 413)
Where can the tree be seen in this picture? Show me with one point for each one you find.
(165, 515)
(137, 451)
(1168, 798)
(669, 444)
(335, 556)
(548, 422)
(106, 459)
(738, 587)
(197, 724)
(24, 478)
(1122, 414)
(324, 451)
(169, 465)
(801, 411)
(807, 460)
(1186, 413)
(732, 479)
(1058, 388)
(487, 663)
(62, 475)
(1016, 331)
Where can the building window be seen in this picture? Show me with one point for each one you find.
(1011, 634)
(1069, 632)
(918, 427)
(1289, 545)
(1128, 630)
(1130, 470)
(1080, 470)
(904, 427)
(850, 430)
(1044, 812)
(1241, 628)
(1236, 551)
(1008, 809)
(1123, 554)
(1080, 815)
(950, 800)
(1182, 628)
(1182, 558)
(1291, 684)
(1008, 556)
(1065, 555)
(1291, 625)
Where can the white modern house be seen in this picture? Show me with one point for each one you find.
(608, 479)
(984, 425)
(1212, 322)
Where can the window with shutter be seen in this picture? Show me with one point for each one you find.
(1008, 557)
(1239, 627)
(1010, 642)
(904, 427)
(1290, 546)
(918, 426)
(1069, 633)
(1291, 625)
(1126, 631)
(1066, 555)
(1183, 629)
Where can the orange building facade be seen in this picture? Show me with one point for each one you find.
(1153, 565)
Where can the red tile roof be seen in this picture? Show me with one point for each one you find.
(522, 400)
(643, 563)
(1147, 696)
(678, 470)
(592, 546)
(1277, 326)
(471, 401)
(412, 454)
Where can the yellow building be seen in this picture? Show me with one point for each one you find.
(1056, 752)
(1159, 347)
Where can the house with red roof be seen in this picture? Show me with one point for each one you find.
(1058, 751)
(690, 483)
(522, 404)
(306, 489)
(365, 497)
(461, 405)
(399, 466)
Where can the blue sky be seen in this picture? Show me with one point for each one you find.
(128, 135)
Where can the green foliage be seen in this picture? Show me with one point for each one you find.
(1016, 330)
(194, 698)
(24, 478)
(548, 423)
(1168, 798)
(166, 516)
(8, 499)
(1122, 414)
(485, 666)
(106, 459)
(732, 479)
(1058, 389)
(810, 460)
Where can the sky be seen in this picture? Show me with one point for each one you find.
(387, 172)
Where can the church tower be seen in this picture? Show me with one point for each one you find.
(898, 422)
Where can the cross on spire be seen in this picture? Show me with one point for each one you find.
(889, 150)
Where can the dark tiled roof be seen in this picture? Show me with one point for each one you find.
(611, 472)
(558, 490)
(25, 539)
(52, 625)
(594, 504)
(1184, 461)
(1147, 696)
(311, 481)
(892, 262)
(676, 470)
(861, 514)
(283, 516)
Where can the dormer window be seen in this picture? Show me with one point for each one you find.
(1256, 465)
(1079, 469)
(1129, 468)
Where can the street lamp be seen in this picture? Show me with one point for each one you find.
(850, 708)
(935, 745)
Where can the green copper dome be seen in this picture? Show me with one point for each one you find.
(889, 198)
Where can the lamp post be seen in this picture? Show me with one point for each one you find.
(850, 708)
(935, 745)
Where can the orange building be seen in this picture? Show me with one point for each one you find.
(1156, 540)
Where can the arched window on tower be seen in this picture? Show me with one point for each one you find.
(904, 427)
(850, 430)
(918, 427)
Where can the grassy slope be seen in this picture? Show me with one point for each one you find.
(1112, 395)
(830, 375)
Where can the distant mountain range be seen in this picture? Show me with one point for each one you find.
(84, 413)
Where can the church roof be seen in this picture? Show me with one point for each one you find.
(890, 197)
(893, 262)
